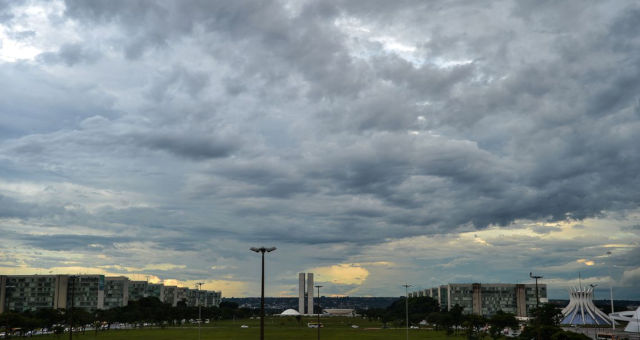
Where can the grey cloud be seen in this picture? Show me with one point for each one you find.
(545, 229)
(11, 208)
(503, 177)
(632, 228)
(302, 131)
(34, 102)
(5, 10)
(196, 148)
(70, 54)
(22, 35)
(71, 242)
(179, 77)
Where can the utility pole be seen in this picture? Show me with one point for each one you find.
(536, 277)
(199, 284)
(262, 250)
(73, 295)
(406, 305)
(613, 323)
(318, 286)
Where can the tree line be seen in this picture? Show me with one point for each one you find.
(148, 310)
(544, 324)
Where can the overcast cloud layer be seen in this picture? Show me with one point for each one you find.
(372, 142)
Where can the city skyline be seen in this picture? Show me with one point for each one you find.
(373, 143)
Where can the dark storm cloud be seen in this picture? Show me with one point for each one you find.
(179, 77)
(71, 242)
(533, 142)
(11, 208)
(206, 124)
(5, 10)
(34, 102)
(188, 147)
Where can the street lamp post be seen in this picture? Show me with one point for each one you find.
(199, 284)
(536, 277)
(613, 323)
(406, 305)
(262, 250)
(318, 286)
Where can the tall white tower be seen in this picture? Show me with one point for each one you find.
(309, 293)
(301, 296)
(305, 296)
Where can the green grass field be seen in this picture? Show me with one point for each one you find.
(275, 329)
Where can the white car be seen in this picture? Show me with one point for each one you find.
(244, 326)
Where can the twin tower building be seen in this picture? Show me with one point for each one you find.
(305, 295)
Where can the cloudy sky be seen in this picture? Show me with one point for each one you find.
(373, 142)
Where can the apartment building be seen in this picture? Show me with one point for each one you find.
(116, 293)
(487, 299)
(91, 292)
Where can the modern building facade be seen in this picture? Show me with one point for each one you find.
(212, 298)
(116, 292)
(31, 292)
(487, 299)
(91, 292)
(155, 290)
(305, 295)
(137, 290)
(183, 295)
(170, 295)
(86, 291)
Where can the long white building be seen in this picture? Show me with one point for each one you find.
(487, 298)
(91, 292)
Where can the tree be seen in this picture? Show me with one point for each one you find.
(419, 308)
(10, 320)
(473, 324)
(546, 315)
(546, 325)
(457, 317)
(442, 320)
(499, 321)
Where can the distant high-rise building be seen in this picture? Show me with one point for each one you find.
(305, 293)
(301, 292)
(486, 299)
(91, 292)
(116, 292)
(170, 295)
(30, 292)
(183, 295)
(86, 292)
(137, 290)
(155, 290)
(309, 293)
(212, 298)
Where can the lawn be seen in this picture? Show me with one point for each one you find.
(275, 328)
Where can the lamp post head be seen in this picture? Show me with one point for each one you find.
(263, 249)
